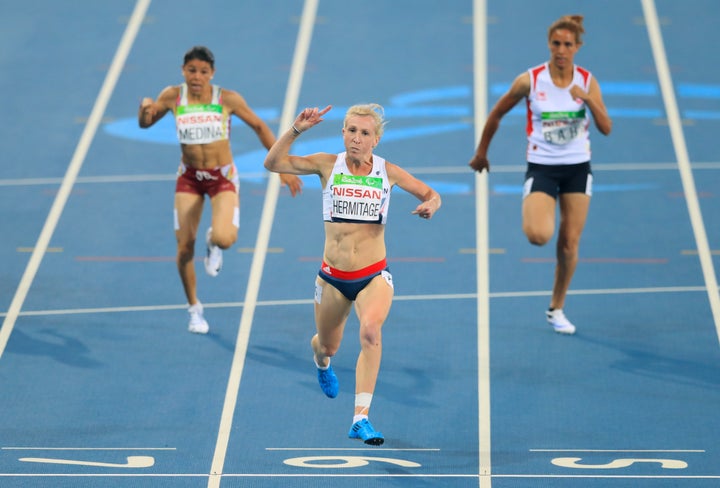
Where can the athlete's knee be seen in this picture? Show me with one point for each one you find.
(567, 249)
(537, 239)
(371, 333)
(185, 251)
(537, 236)
(224, 239)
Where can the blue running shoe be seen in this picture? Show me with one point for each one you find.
(363, 429)
(328, 382)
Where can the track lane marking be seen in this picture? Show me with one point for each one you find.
(71, 174)
(302, 47)
(480, 89)
(683, 158)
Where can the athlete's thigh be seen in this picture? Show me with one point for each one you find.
(188, 211)
(331, 308)
(573, 213)
(225, 208)
(538, 214)
(373, 303)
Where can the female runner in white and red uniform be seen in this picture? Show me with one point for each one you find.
(559, 95)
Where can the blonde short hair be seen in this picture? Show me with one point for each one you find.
(374, 110)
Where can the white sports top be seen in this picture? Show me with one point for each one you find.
(201, 123)
(557, 124)
(358, 199)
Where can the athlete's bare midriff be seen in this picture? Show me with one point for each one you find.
(351, 246)
(207, 156)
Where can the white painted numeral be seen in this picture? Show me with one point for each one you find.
(132, 462)
(345, 461)
(570, 462)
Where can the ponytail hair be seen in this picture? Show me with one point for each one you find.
(573, 23)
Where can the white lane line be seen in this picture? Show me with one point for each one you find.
(606, 476)
(76, 163)
(40, 448)
(302, 47)
(252, 476)
(482, 244)
(362, 449)
(618, 450)
(309, 301)
(427, 170)
(683, 159)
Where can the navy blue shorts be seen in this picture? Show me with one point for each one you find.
(350, 283)
(556, 179)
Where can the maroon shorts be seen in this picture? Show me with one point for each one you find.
(207, 181)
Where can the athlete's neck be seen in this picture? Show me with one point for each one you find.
(359, 167)
(561, 77)
(205, 96)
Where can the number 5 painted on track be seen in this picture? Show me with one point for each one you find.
(570, 462)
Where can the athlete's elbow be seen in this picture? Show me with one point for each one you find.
(269, 164)
(605, 128)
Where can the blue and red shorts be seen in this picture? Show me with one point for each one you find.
(350, 283)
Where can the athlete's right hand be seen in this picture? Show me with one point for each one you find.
(480, 163)
(310, 117)
(146, 106)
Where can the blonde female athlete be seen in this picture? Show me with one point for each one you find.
(356, 196)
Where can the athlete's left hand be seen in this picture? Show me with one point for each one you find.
(426, 209)
(578, 93)
(293, 183)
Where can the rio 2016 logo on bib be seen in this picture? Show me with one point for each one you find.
(357, 197)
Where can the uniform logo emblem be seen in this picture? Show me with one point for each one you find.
(204, 175)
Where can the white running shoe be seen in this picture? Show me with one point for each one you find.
(560, 323)
(213, 256)
(198, 324)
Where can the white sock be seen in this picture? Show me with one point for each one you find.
(359, 417)
(321, 368)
